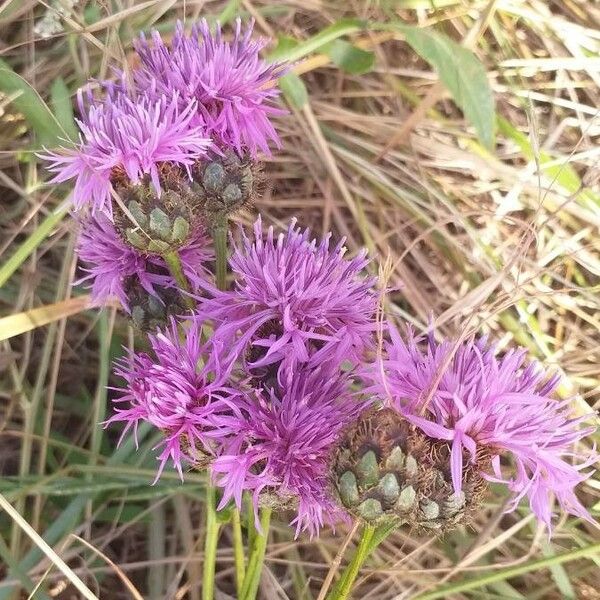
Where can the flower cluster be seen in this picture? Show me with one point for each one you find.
(277, 384)
(290, 406)
(111, 266)
(232, 87)
(282, 442)
(144, 139)
(134, 134)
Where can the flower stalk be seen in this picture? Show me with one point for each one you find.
(173, 261)
(238, 550)
(210, 545)
(342, 589)
(220, 241)
(257, 557)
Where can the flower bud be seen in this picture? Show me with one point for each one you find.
(152, 223)
(386, 470)
(150, 311)
(225, 183)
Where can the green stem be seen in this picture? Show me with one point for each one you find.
(250, 526)
(210, 545)
(257, 558)
(238, 550)
(342, 589)
(174, 263)
(219, 233)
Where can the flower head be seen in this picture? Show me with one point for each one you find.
(128, 135)
(233, 87)
(180, 389)
(496, 406)
(294, 301)
(111, 265)
(282, 441)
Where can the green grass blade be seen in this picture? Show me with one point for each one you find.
(542, 563)
(28, 102)
(44, 229)
(60, 98)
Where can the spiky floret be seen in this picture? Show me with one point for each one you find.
(113, 267)
(478, 402)
(295, 301)
(281, 444)
(181, 389)
(131, 134)
(234, 89)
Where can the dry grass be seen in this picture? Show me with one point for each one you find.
(505, 243)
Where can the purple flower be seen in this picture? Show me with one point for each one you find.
(294, 301)
(110, 263)
(485, 404)
(233, 87)
(129, 135)
(282, 441)
(180, 389)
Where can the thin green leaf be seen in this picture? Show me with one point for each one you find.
(67, 520)
(316, 42)
(294, 90)
(229, 12)
(43, 230)
(473, 583)
(60, 98)
(285, 45)
(349, 58)
(559, 574)
(28, 102)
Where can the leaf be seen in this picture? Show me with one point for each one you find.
(38, 317)
(293, 89)
(60, 98)
(473, 583)
(462, 73)
(349, 58)
(27, 101)
(285, 44)
(43, 230)
(324, 37)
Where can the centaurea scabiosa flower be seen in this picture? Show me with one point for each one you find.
(130, 134)
(112, 266)
(281, 443)
(233, 88)
(295, 300)
(181, 389)
(498, 406)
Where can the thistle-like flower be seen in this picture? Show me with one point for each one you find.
(294, 301)
(281, 444)
(232, 88)
(113, 267)
(481, 403)
(180, 388)
(130, 135)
